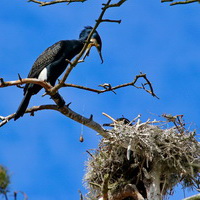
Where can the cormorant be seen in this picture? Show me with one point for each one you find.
(53, 62)
(121, 119)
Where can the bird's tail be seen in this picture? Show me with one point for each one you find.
(24, 104)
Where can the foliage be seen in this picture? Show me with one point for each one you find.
(4, 180)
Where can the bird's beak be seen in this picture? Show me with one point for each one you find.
(95, 43)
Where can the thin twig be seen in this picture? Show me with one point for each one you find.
(46, 3)
(110, 20)
(184, 2)
(115, 4)
(180, 2)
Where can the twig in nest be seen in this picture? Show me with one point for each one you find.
(109, 117)
(89, 153)
(81, 196)
(177, 120)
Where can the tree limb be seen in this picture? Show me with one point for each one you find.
(108, 87)
(184, 2)
(111, 20)
(58, 98)
(44, 84)
(180, 2)
(46, 3)
(65, 111)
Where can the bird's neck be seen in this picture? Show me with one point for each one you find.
(73, 47)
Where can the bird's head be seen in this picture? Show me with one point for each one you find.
(94, 41)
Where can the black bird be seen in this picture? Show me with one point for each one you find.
(52, 63)
(121, 119)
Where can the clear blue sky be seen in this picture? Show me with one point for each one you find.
(43, 153)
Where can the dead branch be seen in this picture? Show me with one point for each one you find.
(110, 20)
(65, 111)
(150, 91)
(184, 2)
(180, 2)
(46, 3)
(115, 4)
(57, 98)
(44, 84)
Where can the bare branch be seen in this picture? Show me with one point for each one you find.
(65, 111)
(180, 2)
(46, 3)
(184, 2)
(162, 1)
(110, 20)
(44, 84)
(150, 91)
(115, 4)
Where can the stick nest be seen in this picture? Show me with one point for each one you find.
(134, 151)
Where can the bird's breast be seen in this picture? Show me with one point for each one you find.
(43, 75)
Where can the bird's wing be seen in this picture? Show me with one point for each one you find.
(51, 54)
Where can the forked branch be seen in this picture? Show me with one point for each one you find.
(107, 87)
(65, 111)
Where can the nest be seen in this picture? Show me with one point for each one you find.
(134, 153)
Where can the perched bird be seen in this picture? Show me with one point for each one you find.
(121, 119)
(53, 62)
